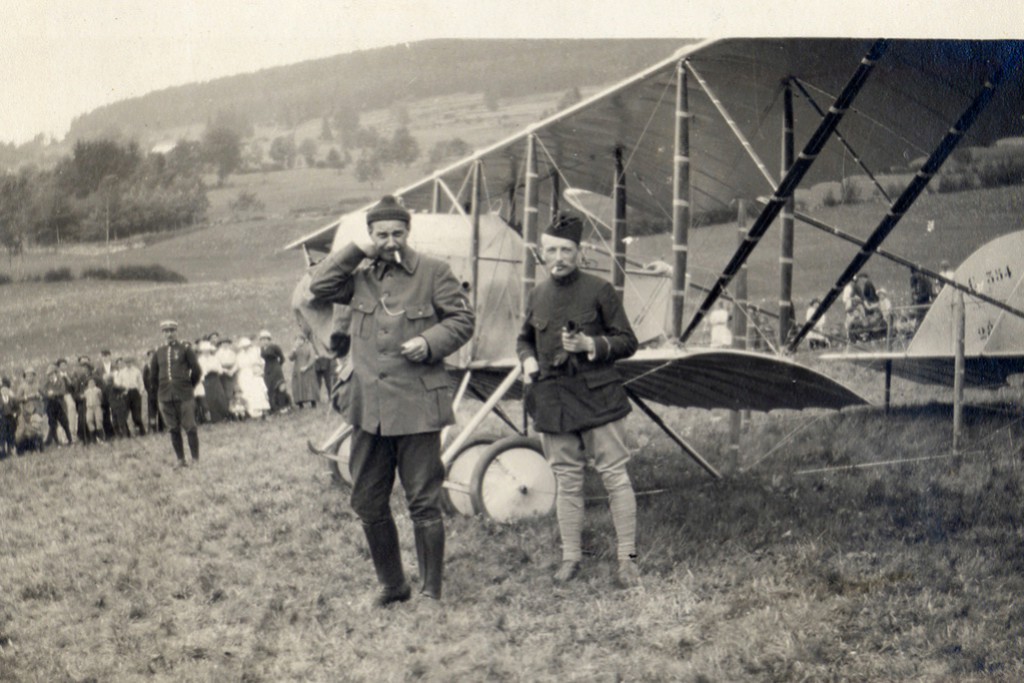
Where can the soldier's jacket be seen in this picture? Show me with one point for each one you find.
(572, 392)
(391, 304)
(175, 371)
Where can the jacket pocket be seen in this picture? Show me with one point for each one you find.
(420, 317)
(439, 385)
(362, 309)
(586, 321)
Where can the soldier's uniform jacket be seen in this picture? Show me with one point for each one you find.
(175, 372)
(390, 304)
(573, 392)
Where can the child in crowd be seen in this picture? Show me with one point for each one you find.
(94, 410)
(31, 426)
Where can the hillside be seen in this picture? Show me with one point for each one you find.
(370, 79)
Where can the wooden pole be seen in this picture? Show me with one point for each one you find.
(958, 369)
(556, 192)
(739, 333)
(530, 229)
(619, 229)
(786, 245)
(435, 196)
(475, 209)
(681, 195)
(888, 382)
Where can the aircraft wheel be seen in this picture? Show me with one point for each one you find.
(457, 498)
(340, 473)
(512, 480)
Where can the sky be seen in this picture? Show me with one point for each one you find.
(62, 58)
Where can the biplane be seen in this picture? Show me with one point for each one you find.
(689, 137)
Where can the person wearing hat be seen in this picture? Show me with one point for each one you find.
(409, 312)
(54, 389)
(574, 330)
(175, 372)
(213, 385)
(153, 417)
(8, 417)
(273, 373)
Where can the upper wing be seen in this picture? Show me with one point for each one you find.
(915, 92)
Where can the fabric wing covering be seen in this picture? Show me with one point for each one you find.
(917, 90)
(720, 378)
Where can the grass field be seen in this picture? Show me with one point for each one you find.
(114, 566)
(251, 566)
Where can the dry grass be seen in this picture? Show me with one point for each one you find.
(251, 565)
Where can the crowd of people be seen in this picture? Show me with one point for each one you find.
(85, 402)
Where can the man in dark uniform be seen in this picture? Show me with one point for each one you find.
(574, 330)
(408, 313)
(79, 380)
(174, 372)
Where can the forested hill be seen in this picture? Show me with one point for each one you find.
(376, 78)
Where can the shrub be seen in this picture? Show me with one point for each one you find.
(850, 191)
(954, 182)
(830, 198)
(150, 273)
(58, 275)
(1001, 173)
(96, 274)
(246, 202)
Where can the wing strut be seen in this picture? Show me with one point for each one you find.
(671, 433)
(789, 182)
(909, 195)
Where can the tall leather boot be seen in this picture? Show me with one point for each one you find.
(382, 538)
(193, 444)
(178, 445)
(430, 553)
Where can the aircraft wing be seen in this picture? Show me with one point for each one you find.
(914, 93)
(986, 371)
(320, 239)
(711, 378)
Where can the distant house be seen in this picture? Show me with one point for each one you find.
(162, 147)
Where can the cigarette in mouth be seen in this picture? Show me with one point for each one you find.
(398, 257)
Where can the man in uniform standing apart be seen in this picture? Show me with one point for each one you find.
(408, 313)
(174, 371)
(575, 329)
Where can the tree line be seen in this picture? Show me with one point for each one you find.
(104, 190)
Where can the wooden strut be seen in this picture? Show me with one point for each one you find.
(790, 181)
(672, 434)
(909, 195)
(456, 445)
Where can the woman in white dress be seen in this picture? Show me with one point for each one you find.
(250, 379)
(228, 360)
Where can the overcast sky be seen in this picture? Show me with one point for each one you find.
(61, 58)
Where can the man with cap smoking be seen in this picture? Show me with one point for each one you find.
(174, 371)
(574, 330)
(408, 313)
